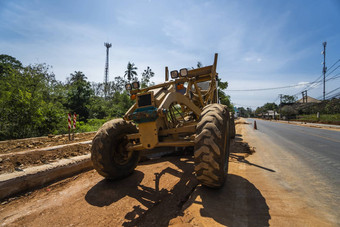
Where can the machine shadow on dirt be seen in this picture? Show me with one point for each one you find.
(154, 198)
(238, 201)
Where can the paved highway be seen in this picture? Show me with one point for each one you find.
(308, 160)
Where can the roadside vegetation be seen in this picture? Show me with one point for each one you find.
(324, 118)
(327, 111)
(34, 103)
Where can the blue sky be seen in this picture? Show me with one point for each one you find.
(261, 44)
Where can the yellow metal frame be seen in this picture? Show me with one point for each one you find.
(162, 133)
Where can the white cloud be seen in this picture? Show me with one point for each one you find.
(254, 48)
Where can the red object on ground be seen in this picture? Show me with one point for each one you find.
(74, 120)
(69, 121)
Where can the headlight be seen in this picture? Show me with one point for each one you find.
(174, 74)
(128, 87)
(135, 85)
(183, 72)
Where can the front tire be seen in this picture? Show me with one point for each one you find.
(108, 153)
(212, 143)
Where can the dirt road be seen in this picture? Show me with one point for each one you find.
(164, 192)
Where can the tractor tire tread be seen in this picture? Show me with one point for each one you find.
(102, 148)
(211, 153)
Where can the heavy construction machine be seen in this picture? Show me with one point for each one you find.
(182, 112)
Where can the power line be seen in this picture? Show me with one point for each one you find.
(273, 88)
(333, 96)
(328, 93)
(333, 70)
(328, 79)
(334, 77)
(309, 84)
(288, 86)
(276, 99)
(334, 64)
(333, 90)
(319, 79)
(317, 83)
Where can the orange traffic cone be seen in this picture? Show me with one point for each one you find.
(255, 126)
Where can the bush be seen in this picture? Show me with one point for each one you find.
(91, 125)
(289, 112)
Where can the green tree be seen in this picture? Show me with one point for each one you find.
(116, 103)
(288, 111)
(250, 112)
(224, 99)
(28, 100)
(98, 89)
(270, 106)
(79, 94)
(259, 110)
(118, 84)
(98, 109)
(8, 63)
(288, 99)
(146, 77)
(266, 107)
(130, 72)
(242, 112)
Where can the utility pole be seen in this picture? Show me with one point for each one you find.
(280, 105)
(324, 68)
(304, 96)
(106, 77)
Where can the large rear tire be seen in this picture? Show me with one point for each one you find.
(212, 143)
(108, 153)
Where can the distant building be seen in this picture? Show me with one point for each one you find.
(309, 100)
(270, 114)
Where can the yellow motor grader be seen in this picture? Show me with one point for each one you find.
(182, 112)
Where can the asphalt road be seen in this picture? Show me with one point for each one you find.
(308, 160)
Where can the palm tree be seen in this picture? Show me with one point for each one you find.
(77, 76)
(130, 73)
(146, 76)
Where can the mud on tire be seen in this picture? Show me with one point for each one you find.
(212, 143)
(108, 152)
